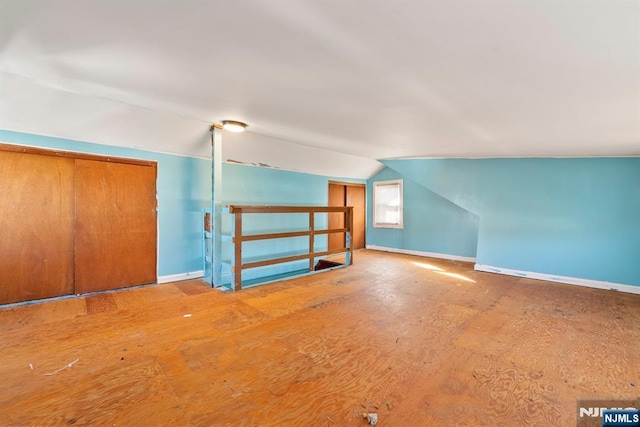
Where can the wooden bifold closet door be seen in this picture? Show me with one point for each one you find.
(74, 223)
(116, 233)
(36, 226)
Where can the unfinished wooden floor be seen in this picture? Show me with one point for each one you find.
(419, 341)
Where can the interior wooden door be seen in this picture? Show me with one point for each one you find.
(337, 197)
(36, 226)
(116, 229)
(356, 196)
(348, 195)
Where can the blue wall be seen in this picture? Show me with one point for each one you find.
(431, 222)
(577, 217)
(184, 189)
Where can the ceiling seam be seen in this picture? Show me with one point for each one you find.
(45, 84)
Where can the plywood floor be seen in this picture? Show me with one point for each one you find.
(419, 341)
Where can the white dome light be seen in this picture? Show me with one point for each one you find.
(233, 126)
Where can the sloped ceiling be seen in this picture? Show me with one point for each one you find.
(366, 79)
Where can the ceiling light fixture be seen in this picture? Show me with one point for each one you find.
(233, 126)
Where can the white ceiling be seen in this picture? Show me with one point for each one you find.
(368, 79)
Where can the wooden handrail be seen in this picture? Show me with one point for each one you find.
(238, 238)
(285, 209)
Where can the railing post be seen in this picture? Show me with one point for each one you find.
(237, 245)
(312, 228)
(350, 235)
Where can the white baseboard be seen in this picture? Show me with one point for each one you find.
(421, 253)
(182, 276)
(560, 279)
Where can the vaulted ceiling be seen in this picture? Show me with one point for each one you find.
(366, 79)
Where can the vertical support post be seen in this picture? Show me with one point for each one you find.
(312, 244)
(216, 201)
(207, 249)
(349, 235)
(237, 255)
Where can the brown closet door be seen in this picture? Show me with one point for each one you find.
(337, 197)
(115, 225)
(36, 226)
(356, 198)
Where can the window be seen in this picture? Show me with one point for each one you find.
(387, 204)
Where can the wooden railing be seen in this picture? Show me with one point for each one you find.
(238, 238)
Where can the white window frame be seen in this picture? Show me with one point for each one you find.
(376, 222)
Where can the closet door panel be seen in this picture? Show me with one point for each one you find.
(356, 198)
(116, 229)
(36, 226)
